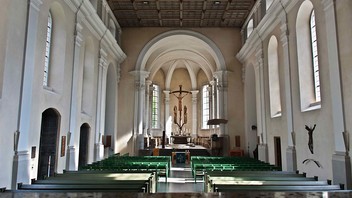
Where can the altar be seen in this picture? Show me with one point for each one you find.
(180, 139)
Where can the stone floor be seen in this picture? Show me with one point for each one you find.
(180, 180)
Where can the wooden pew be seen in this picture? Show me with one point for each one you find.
(137, 187)
(119, 180)
(229, 188)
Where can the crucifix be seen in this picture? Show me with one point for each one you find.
(180, 94)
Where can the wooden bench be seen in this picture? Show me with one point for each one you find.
(146, 180)
(137, 187)
(229, 188)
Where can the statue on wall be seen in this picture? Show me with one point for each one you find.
(310, 136)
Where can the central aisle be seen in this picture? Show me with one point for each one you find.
(180, 180)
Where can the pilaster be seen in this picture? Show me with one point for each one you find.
(168, 117)
(75, 106)
(194, 112)
(139, 106)
(341, 163)
(291, 150)
(21, 163)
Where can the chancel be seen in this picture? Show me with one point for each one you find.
(134, 98)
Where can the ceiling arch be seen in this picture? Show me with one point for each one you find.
(180, 49)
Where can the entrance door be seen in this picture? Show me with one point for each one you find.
(48, 143)
(83, 145)
(277, 144)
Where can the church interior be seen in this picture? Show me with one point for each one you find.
(160, 97)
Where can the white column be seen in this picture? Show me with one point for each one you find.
(21, 163)
(168, 117)
(221, 77)
(100, 118)
(148, 103)
(341, 163)
(194, 113)
(259, 77)
(139, 105)
(75, 108)
(291, 157)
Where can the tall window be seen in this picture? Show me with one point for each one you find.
(156, 107)
(307, 57)
(313, 34)
(205, 106)
(274, 80)
(47, 50)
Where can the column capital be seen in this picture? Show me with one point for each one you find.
(140, 75)
(148, 82)
(194, 93)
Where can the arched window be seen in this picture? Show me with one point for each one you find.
(47, 50)
(307, 55)
(205, 106)
(156, 107)
(250, 28)
(274, 81)
(314, 43)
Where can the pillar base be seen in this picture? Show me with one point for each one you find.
(99, 151)
(291, 158)
(263, 152)
(341, 169)
(21, 169)
(71, 159)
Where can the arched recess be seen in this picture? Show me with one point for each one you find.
(274, 80)
(57, 49)
(83, 145)
(250, 110)
(185, 52)
(48, 146)
(305, 59)
(88, 77)
(111, 107)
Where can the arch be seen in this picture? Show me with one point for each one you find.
(56, 69)
(83, 144)
(274, 80)
(88, 77)
(48, 146)
(305, 59)
(155, 43)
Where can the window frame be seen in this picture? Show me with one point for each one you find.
(48, 42)
(315, 57)
(155, 107)
(205, 100)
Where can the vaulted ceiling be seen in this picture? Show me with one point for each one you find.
(181, 13)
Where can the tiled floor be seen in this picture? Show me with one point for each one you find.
(180, 180)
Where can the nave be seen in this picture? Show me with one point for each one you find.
(203, 176)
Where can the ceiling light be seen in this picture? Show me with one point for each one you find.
(216, 2)
(145, 2)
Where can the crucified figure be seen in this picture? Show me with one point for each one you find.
(310, 136)
(180, 96)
